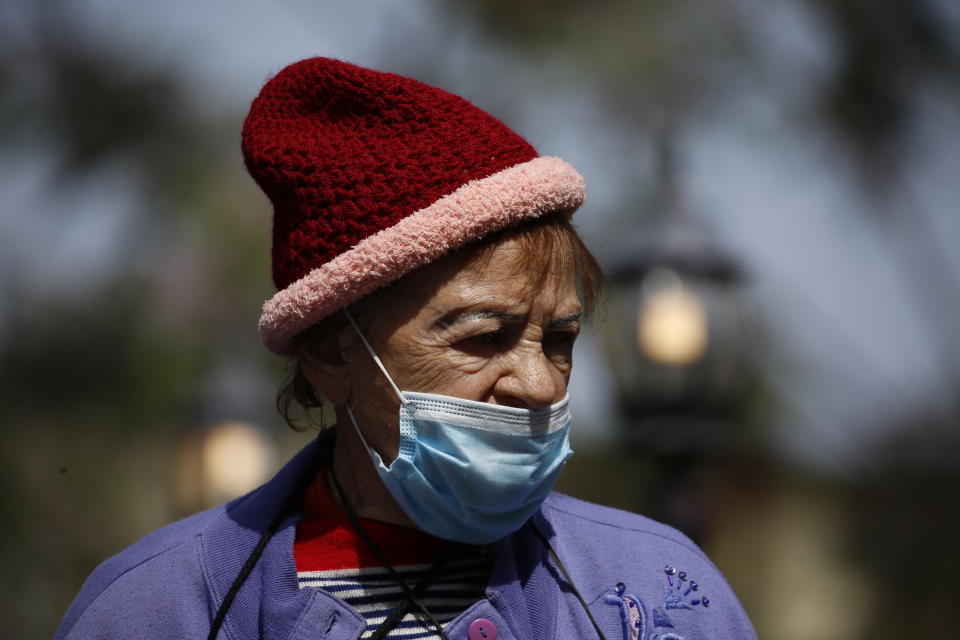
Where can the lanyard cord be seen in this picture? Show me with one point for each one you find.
(405, 605)
(566, 576)
(411, 594)
(288, 506)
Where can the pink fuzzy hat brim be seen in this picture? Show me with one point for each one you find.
(527, 190)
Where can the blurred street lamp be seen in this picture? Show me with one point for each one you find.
(674, 334)
(672, 323)
(220, 463)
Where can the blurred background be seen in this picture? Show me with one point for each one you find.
(773, 187)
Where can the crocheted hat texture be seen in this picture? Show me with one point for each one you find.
(372, 175)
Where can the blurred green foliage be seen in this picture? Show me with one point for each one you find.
(95, 387)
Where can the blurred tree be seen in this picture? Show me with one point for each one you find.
(59, 87)
(653, 60)
(890, 55)
(92, 108)
(93, 385)
(892, 61)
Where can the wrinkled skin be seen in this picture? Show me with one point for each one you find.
(485, 330)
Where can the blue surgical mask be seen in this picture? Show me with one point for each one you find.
(471, 471)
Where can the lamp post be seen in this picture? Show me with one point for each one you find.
(220, 462)
(673, 340)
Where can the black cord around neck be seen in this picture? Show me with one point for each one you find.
(288, 507)
(409, 593)
(566, 576)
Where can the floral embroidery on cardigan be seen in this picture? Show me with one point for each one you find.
(679, 593)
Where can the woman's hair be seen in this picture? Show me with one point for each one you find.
(551, 246)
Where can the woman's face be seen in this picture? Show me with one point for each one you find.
(485, 330)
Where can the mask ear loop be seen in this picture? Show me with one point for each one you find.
(356, 428)
(376, 358)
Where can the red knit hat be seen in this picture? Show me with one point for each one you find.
(373, 175)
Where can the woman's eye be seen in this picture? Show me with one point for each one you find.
(486, 338)
(561, 338)
(483, 343)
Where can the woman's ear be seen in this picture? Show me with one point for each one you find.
(324, 367)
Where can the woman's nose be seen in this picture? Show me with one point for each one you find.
(529, 381)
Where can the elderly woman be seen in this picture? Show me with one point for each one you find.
(431, 288)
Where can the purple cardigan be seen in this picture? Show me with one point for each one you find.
(642, 580)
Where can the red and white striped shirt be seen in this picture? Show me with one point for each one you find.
(330, 555)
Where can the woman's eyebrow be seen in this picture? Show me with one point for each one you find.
(457, 317)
